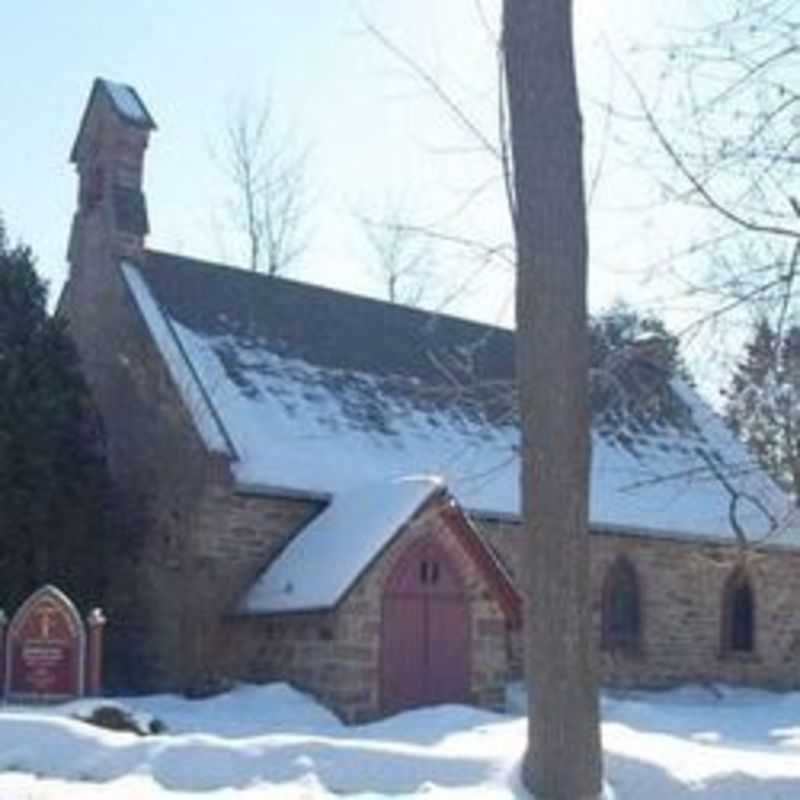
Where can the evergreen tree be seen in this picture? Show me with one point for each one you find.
(622, 332)
(52, 480)
(762, 402)
(633, 359)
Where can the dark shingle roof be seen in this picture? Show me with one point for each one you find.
(333, 329)
(440, 358)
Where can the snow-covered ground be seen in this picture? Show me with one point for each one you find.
(271, 741)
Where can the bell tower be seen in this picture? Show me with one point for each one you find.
(111, 219)
(110, 223)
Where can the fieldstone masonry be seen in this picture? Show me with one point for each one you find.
(196, 541)
(336, 655)
(681, 584)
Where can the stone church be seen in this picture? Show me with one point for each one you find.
(322, 488)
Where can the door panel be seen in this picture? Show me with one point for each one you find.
(404, 661)
(425, 631)
(448, 663)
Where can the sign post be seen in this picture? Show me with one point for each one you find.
(3, 623)
(96, 622)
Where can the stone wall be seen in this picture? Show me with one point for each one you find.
(186, 542)
(158, 467)
(153, 454)
(681, 590)
(192, 544)
(243, 532)
(234, 536)
(336, 655)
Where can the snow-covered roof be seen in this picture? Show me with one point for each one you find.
(127, 102)
(312, 390)
(162, 331)
(319, 565)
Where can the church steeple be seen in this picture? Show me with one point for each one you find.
(108, 154)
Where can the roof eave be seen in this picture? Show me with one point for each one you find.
(246, 613)
(643, 532)
(257, 489)
(436, 491)
(227, 446)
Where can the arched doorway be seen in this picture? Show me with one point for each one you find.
(425, 631)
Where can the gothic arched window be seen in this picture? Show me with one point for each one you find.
(738, 614)
(621, 608)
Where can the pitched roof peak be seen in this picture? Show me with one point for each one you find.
(125, 104)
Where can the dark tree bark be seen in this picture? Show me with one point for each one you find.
(563, 761)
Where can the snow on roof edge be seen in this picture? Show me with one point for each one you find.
(127, 102)
(777, 540)
(596, 528)
(295, 582)
(276, 490)
(201, 410)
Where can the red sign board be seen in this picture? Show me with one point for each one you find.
(45, 649)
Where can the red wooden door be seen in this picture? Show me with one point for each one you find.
(425, 631)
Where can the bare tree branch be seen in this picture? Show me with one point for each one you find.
(267, 172)
(402, 257)
(430, 82)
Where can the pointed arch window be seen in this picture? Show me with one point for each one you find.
(738, 614)
(622, 614)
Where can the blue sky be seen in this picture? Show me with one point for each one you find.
(373, 130)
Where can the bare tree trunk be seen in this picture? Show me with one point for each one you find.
(563, 761)
(267, 170)
(401, 253)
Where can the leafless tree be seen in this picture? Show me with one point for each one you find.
(484, 251)
(563, 761)
(401, 254)
(267, 169)
(547, 207)
(725, 120)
